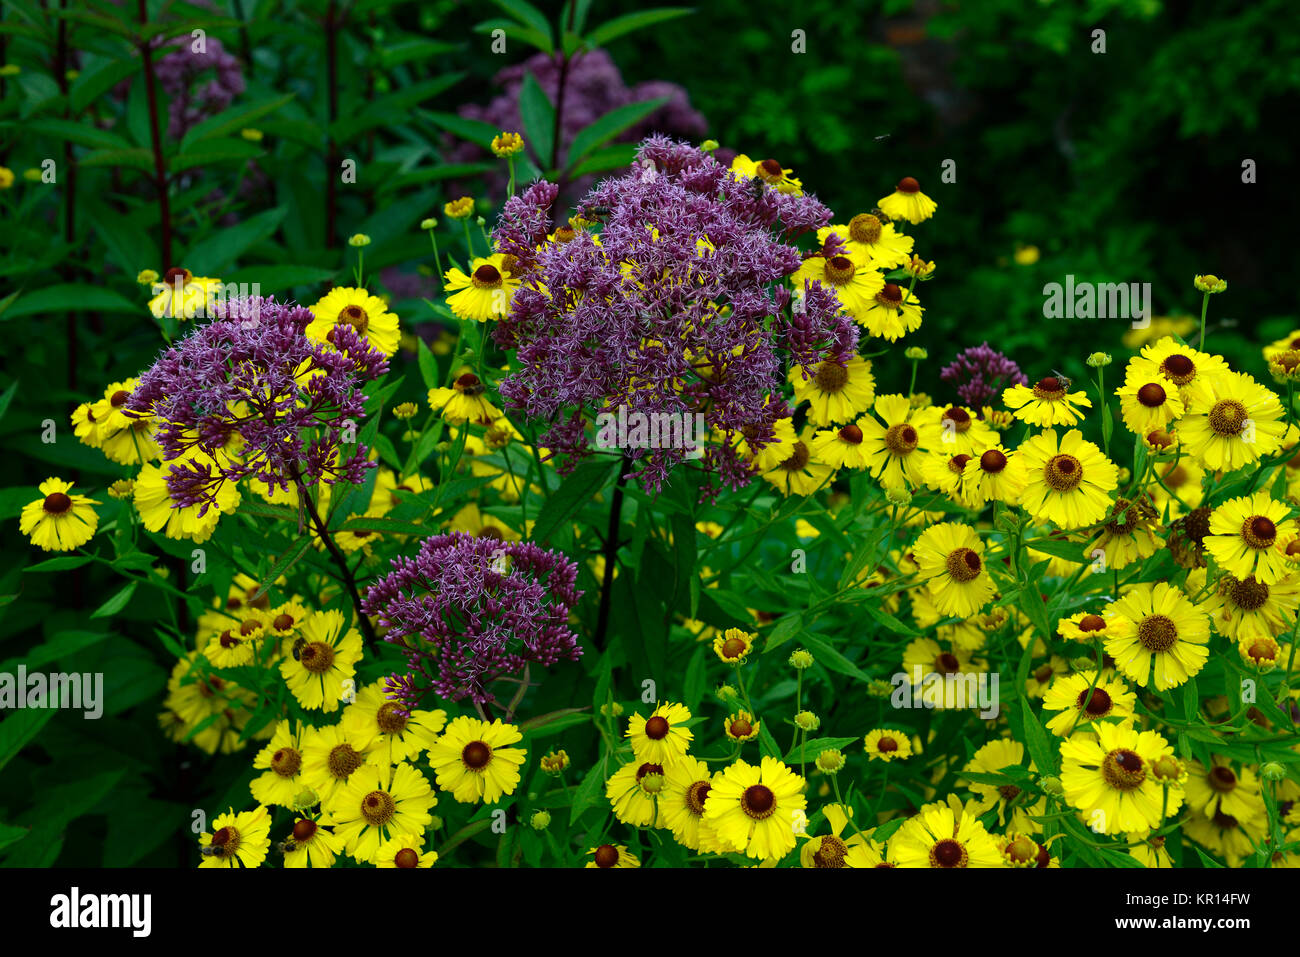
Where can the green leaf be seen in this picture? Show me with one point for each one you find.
(93, 83)
(232, 120)
(384, 526)
(832, 659)
(71, 297)
(528, 15)
(809, 750)
(58, 646)
(539, 118)
(555, 722)
(392, 107)
(517, 31)
(116, 603)
(210, 256)
(19, 727)
(135, 156)
(1036, 740)
(428, 365)
(60, 564)
(287, 560)
(473, 131)
(588, 793)
(574, 492)
(621, 26)
(215, 151)
(609, 126)
(82, 134)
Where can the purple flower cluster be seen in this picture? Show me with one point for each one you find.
(679, 308)
(592, 87)
(178, 71)
(471, 610)
(980, 373)
(258, 398)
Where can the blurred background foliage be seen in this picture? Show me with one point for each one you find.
(1117, 166)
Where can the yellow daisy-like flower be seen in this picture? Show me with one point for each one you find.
(1219, 790)
(1236, 422)
(741, 726)
(687, 782)
(836, 391)
(473, 760)
(238, 644)
(612, 855)
(159, 513)
(1128, 534)
(507, 144)
(1244, 609)
(946, 473)
(752, 809)
(951, 558)
(898, 444)
(1159, 636)
(995, 757)
(964, 432)
(364, 312)
(883, 744)
(459, 208)
(326, 659)
(867, 234)
(1069, 695)
(59, 522)
(1151, 852)
(281, 759)
(892, 313)
(855, 283)
(772, 452)
(1249, 537)
(1066, 484)
(944, 836)
(237, 840)
(663, 736)
(633, 792)
(798, 472)
(833, 850)
(1225, 835)
(464, 401)
(182, 295)
(994, 474)
(908, 202)
(1108, 776)
(390, 736)
(330, 756)
(1047, 403)
(732, 646)
(378, 804)
(1189, 369)
(842, 447)
(1147, 400)
(485, 293)
(310, 846)
(769, 171)
(404, 850)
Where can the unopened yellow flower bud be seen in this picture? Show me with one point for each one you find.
(507, 144)
(461, 208)
(1210, 284)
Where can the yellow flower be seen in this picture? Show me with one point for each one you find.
(330, 756)
(461, 208)
(281, 759)
(944, 836)
(390, 736)
(892, 313)
(612, 855)
(6, 177)
(1158, 629)
(364, 312)
(378, 804)
(751, 809)
(472, 760)
(868, 233)
(633, 792)
(1107, 775)
(898, 444)
(662, 737)
(404, 850)
(1068, 484)
(507, 144)
(1209, 284)
(769, 171)
(464, 401)
(1249, 537)
(59, 522)
(799, 472)
(741, 726)
(184, 295)
(854, 282)
(908, 202)
(237, 840)
(326, 660)
(486, 291)
(837, 391)
(1049, 402)
(310, 846)
(1147, 400)
(733, 645)
(951, 558)
(883, 744)
(1069, 695)
(1235, 422)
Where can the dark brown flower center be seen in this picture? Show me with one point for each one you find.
(771, 171)
(758, 801)
(891, 296)
(886, 745)
(390, 719)
(901, 439)
(696, 795)
(947, 663)
(282, 622)
(1151, 395)
(948, 853)
(1092, 623)
(356, 317)
(831, 852)
(959, 418)
(378, 808)
(993, 461)
(839, 270)
(731, 648)
(799, 456)
(851, 434)
(1228, 418)
(343, 760)
(317, 657)
(606, 855)
(1063, 473)
(1259, 532)
(1098, 704)
(1221, 779)
(286, 762)
(831, 376)
(1248, 594)
(476, 755)
(304, 830)
(487, 276)
(56, 503)
(657, 727)
(1157, 633)
(178, 273)
(1180, 368)
(964, 564)
(1123, 770)
(741, 728)
(226, 841)
(865, 228)
(908, 185)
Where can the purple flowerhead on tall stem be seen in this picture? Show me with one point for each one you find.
(191, 102)
(250, 395)
(676, 309)
(471, 610)
(980, 373)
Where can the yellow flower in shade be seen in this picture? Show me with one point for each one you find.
(473, 521)
(612, 855)
(507, 144)
(1151, 852)
(59, 521)
(908, 202)
(310, 846)
(1249, 537)
(633, 792)
(461, 208)
(330, 756)
(364, 312)
(554, 763)
(687, 782)
(1026, 255)
(841, 447)
(1148, 401)
(944, 836)
(404, 850)
(237, 840)
(392, 736)
(833, 850)
(485, 292)
(182, 295)
(1159, 636)
(1226, 836)
(1179, 486)
(281, 760)
(767, 453)
(1109, 776)
(996, 757)
(899, 442)
(326, 659)
(7, 178)
(752, 809)
(867, 234)
(160, 514)
(1069, 695)
(884, 744)
(854, 282)
(1066, 484)
(1235, 423)
(464, 401)
(1128, 535)
(892, 313)
(1219, 790)
(237, 644)
(1245, 609)
(378, 804)
(1210, 284)
(473, 760)
(994, 474)
(741, 726)
(733, 645)
(1047, 403)
(1021, 850)
(836, 391)
(951, 558)
(86, 425)
(769, 171)
(797, 471)
(662, 737)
